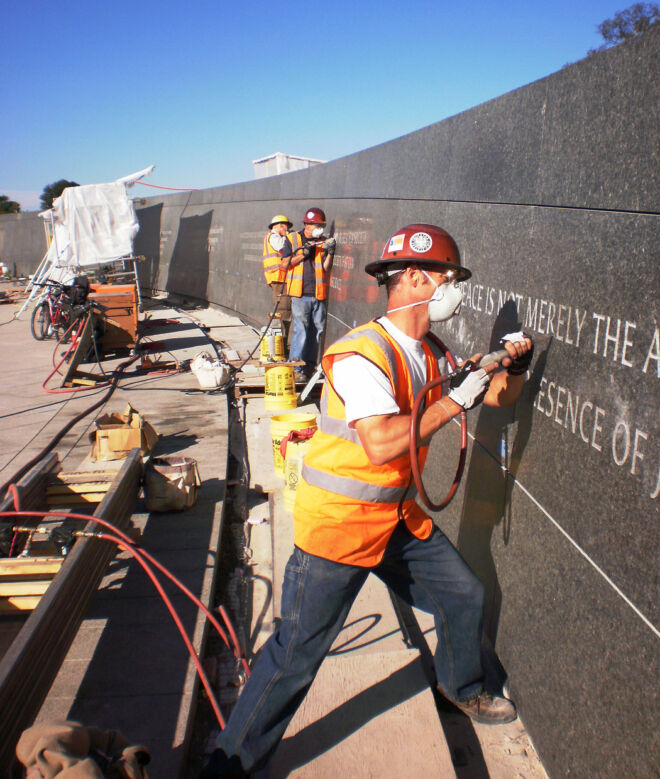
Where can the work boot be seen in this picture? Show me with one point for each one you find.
(488, 709)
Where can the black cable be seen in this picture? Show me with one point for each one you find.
(27, 443)
(270, 321)
(44, 405)
(54, 441)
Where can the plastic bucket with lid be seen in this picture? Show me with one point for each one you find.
(280, 388)
(280, 427)
(293, 448)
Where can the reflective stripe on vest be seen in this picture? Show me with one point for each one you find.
(272, 262)
(346, 507)
(338, 427)
(294, 278)
(353, 488)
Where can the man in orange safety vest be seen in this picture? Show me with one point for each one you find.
(355, 513)
(276, 248)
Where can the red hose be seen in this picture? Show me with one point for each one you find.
(173, 189)
(69, 390)
(414, 436)
(237, 647)
(177, 620)
(239, 654)
(144, 558)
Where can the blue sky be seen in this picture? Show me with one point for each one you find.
(92, 90)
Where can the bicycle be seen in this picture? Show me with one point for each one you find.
(52, 312)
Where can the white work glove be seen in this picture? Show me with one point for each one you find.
(520, 364)
(468, 388)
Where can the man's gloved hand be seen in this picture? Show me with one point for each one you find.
(306, 251)
(468, 387)
(522, 363)
(330, 244)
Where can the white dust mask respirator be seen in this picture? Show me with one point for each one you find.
(317, 232)
(444, 303)
(277, 241)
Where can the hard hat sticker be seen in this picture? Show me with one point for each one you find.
(420, 242)
(396, 243)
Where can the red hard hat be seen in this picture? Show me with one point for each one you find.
(425, 245)
(314, 216)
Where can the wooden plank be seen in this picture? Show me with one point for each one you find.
(33, 587)
(74, 499)
(14, 567)
(32, 487)
(18, 604)
(31, 663)
(70, 489)
(80, 351)
(83, 477)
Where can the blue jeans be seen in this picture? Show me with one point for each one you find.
(308, 315)
(317, 595)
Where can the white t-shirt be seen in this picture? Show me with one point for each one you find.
(365, 389)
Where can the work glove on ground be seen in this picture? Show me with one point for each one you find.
(468, 386)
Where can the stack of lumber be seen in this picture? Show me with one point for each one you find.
(78, 487)
(11, 294)
(23, 580)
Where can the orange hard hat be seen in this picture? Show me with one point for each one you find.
(428, 246)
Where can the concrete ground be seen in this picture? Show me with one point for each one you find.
(128, 668)
(370, 712)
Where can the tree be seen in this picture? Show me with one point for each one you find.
(627, 24)
(8, 206)
(51, 191)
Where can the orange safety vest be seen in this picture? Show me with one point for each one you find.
(346, 507)
(273, 270)
(294, 278)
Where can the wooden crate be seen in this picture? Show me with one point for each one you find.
(119, 302)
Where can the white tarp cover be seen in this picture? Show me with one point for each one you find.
(94, 223)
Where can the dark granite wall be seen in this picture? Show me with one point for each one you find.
(22, 242)
(552, 193)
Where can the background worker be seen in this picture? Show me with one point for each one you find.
(277, 248)
(307, 284)
(354, 513)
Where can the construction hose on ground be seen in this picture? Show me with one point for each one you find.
(148, 562)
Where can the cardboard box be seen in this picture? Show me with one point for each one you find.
(116, 434)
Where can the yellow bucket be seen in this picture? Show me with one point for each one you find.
(272, 347)
(293, 463)
(280, 388)
(280, 426)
